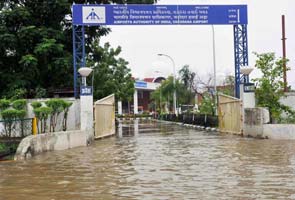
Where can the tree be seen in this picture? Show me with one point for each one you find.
(36, 43)
(204, 88)
(228, 87)
(164, 94)
(111, 74)
(207, 106)
(270, 86)
(187, 77)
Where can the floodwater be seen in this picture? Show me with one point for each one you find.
(157, 161)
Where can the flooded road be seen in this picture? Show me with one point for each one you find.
(157, 161)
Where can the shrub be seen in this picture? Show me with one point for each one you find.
(9, 116)
(19, 104)
(4, 104)
(21, 114)
(56, 106)
(36, 104)
(65, 105)
(42, 114)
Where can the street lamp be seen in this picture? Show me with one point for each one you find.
(246, 70)
(174, 79)
(84, 72)
(214, 69)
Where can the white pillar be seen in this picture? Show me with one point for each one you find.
(86, 116)
(247, 97)
(249, 100)
(119, 107)
(135, 102)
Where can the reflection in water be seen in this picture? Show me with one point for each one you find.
(157, 161)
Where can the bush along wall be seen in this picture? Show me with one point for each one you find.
(195, 119)
(13, 114)
(12, 119)
(51, 110)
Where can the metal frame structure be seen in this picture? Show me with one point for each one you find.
(241, 55)
(78, 53)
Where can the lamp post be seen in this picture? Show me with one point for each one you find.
(160, 95)
(214, 69)
(174, 79)
(93, 68)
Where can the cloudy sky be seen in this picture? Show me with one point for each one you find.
(192, 45)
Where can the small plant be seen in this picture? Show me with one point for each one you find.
(19, 104)
(36, 104)
(21, 114)
(66, 106)
(42, 114)
(4, 104)
(9, 116)
(56, 106)
(14, 115)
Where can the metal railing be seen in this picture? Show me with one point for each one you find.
(195, 119)
(16, 128)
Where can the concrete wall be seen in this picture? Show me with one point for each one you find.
(36, 144)
(279, 131)
(254, 118)
(256, 125)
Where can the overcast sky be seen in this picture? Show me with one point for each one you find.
(192, 45)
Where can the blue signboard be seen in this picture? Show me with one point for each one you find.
(85, 91)
(93, 15)
(140, 84)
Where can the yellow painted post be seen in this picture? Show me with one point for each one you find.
(34, 126)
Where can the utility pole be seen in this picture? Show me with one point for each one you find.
(284, 53)
(214, 70)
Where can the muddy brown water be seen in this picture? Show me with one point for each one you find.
(149, 160)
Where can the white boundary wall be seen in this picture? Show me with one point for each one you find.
(256, 125)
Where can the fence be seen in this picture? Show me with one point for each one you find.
(15, 128)
(230, 114)
(196, 119)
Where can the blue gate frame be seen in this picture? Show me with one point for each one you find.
(240, 54)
